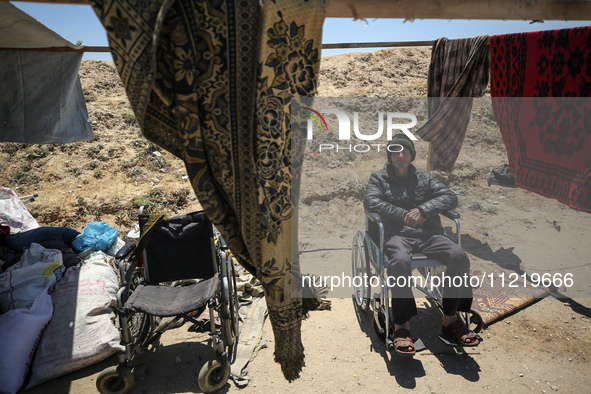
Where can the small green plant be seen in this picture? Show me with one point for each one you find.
(10, 148)
(491, 210)
(156, 192)
(85, 182)
(97, 213)
(476, 206)
(93, 151)
(129, 116)
(20, 177)
(41, 152)
(141, 200)
(136, 172)
(98, 174)
(182, 197)
(93, 164)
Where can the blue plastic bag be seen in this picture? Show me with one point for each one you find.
(99, 235)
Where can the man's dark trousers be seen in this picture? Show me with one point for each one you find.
(399, 249)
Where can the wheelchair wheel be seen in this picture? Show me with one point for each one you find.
(138, 322)
(214, 375)
(114, 380)
(476, 323)
(230, 305)
(361, 270)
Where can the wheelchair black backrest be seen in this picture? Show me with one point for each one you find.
(180, 248)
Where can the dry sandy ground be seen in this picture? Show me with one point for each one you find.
(542, 348)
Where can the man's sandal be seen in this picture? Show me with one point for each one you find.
(458, 331)
(403, 343)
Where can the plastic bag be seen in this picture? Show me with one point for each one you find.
(13, 213)
(97, 235)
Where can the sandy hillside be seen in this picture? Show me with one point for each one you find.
(543, 348)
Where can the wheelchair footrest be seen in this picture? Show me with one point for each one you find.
(418, 344)
(450, 341)
(164, 301)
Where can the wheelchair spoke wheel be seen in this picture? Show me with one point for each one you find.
(138, 322)
(234, 305)
(361, 271)
(229, 304)
(214, 375)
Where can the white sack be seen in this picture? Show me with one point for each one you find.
(82, 331)
(38, 269)
(20, 331)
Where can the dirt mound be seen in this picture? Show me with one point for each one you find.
(105, 179)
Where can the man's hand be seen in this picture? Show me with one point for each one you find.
(414, 218)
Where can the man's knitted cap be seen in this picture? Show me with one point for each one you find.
(402, 139)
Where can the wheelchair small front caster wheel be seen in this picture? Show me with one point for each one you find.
(476, 323)
(114, 380)
(214, 375)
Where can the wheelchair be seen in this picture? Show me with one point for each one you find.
(179, 268)
(369, 262)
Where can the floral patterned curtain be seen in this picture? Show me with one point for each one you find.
(210, 81)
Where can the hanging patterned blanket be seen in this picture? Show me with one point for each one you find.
(210, 81)
(541, 84)
(458, 71)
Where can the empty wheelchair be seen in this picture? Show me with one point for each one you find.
(369, 261)
(177, 270)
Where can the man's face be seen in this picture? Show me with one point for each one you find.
(402, 158)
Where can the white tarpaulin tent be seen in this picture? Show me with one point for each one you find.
(41, 99)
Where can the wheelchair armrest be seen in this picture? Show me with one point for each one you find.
(125, 250)
(451, 214)
(374, 217)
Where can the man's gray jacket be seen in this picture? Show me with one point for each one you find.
(388, 195)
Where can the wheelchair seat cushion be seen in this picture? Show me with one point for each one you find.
(165, 301)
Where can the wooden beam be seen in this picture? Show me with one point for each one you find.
(61, 49)
(461, 9)
(378, 44)
(572, 10)
(324, 46)
(393, 44)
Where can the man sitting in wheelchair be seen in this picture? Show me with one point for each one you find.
(409, 201)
